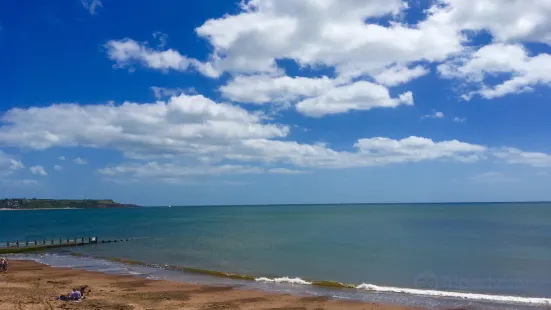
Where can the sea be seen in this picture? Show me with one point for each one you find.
(438, 255)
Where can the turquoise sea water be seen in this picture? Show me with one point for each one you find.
(495, 249)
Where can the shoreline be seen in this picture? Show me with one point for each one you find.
(406, 298)
(33, 285)
(30, 209)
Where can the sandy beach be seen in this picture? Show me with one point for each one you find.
(30, 285)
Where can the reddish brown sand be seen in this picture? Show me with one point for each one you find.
(30, 285)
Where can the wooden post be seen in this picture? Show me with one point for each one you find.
(17, 242)
(26, 242)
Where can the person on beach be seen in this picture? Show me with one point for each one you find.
(74, 295)
(83, 290)
(3, 264)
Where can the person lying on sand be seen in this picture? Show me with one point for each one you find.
(74, 295)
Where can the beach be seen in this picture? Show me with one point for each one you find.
(31, 285)
(413, 255)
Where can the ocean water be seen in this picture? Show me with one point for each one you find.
(425, 254)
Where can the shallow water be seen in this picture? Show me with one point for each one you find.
(491, 249)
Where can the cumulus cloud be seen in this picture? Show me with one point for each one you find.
(397, 75)
(80, 161)
(173, 172)
(163, 92)
(459, 119)
(193, 135)
(182, 125)
(38, 170)
(507, 20)
(367, 152)
(127, 52)
(516, 156)
(357, 96)
(169, 172)
(435, 114)
(91, 5)
(523, 71)
(332, 33)
(61, 158)
(261, 89)
(58, 167)
(9, 164)
(346, 37)
(313, 34)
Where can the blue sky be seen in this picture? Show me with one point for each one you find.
(264, 101)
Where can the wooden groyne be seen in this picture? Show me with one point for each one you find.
(21, 246)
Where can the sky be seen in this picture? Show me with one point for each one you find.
(276, 101)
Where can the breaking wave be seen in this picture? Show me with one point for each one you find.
(364, 287)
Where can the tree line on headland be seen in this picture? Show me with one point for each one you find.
(34, 203)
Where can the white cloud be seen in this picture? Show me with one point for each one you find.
(177, 172)
(413, 149)
(313, 34)
(523, 71)
(172, 173)
(506, 20)
(368, 152)
(183, 125)
(435, 114)
(38, 170)
(58, 167)
(268, 89)
(493, 177)
(80, 161)
(342, 36)
(397, 75)
(9, 164)
(357, 96)
(61, 158)
(459, 119)
(516, 156)
(163, 92)
(207, 135)
(127, 52)
(91, 5)
(332, 33)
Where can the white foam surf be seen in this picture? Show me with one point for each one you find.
(284, 280)
(457, 295)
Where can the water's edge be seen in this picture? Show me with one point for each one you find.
(431, 299)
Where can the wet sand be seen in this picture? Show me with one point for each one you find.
(30, 285)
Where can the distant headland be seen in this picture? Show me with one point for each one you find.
(45, 204)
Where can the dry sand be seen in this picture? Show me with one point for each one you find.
(30, 285)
